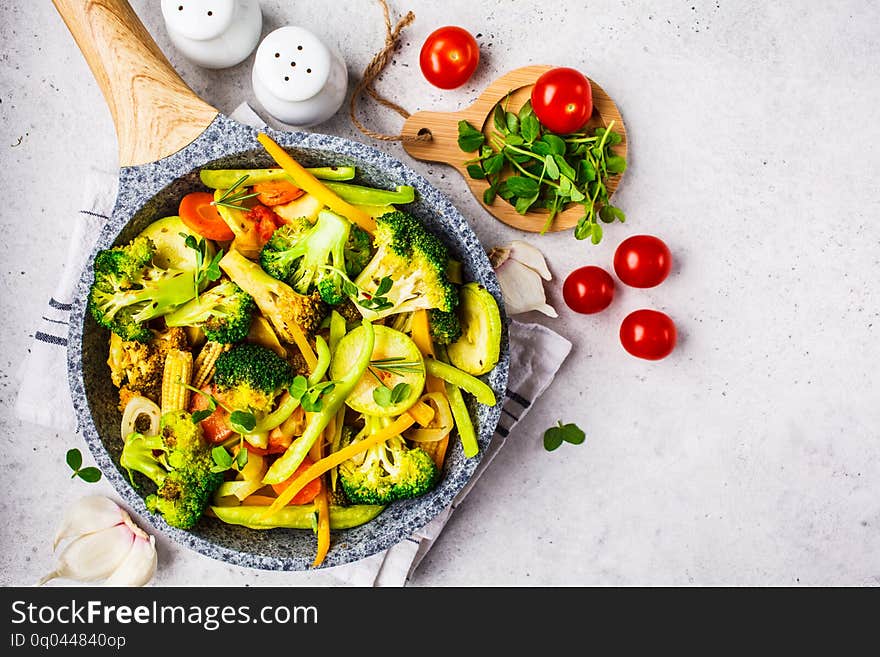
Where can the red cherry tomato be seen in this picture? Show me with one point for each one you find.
(563, 100)
(588, 290)
(449, 57)
(642, 261)
(648, 334)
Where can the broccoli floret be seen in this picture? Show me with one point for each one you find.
(415, 261)
(179, 462)
(358, 250)
(303, 257)
(251, 376)
(129, 290)
(387, 472)
(224, 313)
(445, 326)
(136, 367)
(280, 304)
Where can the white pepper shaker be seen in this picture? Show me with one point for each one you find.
(297, 78)
(214, 33)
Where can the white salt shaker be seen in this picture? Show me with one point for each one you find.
(297, 78)
(214, 33)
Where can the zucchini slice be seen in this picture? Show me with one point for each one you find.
(479, 347)
(392, 348)
(171, 250)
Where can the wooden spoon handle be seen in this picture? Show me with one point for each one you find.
(155, 112)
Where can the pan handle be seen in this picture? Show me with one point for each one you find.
(156, 114)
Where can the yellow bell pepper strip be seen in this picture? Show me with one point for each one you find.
(295, 517)
(223, 178)
(421, 413)
(323, 362)
(311, 185)
(322, 505)
(327, 463)
(332, 401)
(463, 380)
(303, 344)
(421, 335)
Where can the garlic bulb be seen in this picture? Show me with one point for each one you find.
(520, 267)
(106, 544)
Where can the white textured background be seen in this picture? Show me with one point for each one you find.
(750, 456)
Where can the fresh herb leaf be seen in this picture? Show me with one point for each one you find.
(499, 120)
(556, 435)
(551, 167)
(222, 459)
(382, 396)
(522, 186)
(493, 165)
(489, 195)
(90, 475)
(523, 203)
(242, 422)
(74, 459)
(530, 128)
(199, 416)
(400, 392)
(556, 144)
(475, 171)
(298, 387)
(512, 122)
(384, 286)
(615, 164)
(241, 458)
(469, 138)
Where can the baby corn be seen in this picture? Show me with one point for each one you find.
(204, 365)
(177, 375)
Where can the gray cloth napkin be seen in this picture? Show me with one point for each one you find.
(536, 353)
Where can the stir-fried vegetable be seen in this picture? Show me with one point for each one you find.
(291, 328)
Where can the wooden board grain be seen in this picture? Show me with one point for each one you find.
(443, 147)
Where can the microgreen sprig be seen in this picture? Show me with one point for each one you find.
(377, 301)
(530, 167)
(569, 433)
(74, 460)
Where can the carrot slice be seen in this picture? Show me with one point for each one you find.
(277, 192)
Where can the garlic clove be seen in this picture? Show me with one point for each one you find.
(93, 556)
(531, 257)
(87, 515)
(522, 289)
(139, 565)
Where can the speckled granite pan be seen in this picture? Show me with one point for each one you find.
(151, 191)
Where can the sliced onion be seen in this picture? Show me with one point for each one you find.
(442, 423)
(134, 409)
(247, 482)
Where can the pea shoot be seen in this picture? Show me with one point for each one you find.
(530, 167)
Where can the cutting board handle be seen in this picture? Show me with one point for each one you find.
(155, 112)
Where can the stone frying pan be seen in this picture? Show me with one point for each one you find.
(166, 135)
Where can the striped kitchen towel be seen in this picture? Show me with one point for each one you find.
(536, 354)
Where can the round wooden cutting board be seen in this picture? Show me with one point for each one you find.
(517, 84)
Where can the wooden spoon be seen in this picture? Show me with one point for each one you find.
(518, 84)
